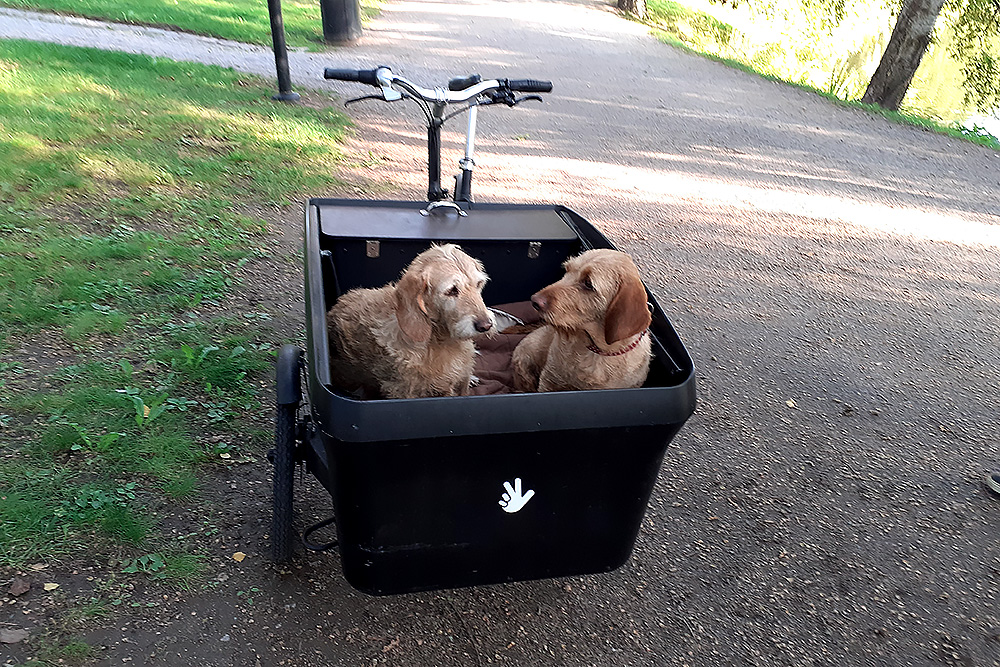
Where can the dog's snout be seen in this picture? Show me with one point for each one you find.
(539, 302)
(483, 324)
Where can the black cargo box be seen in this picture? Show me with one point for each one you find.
(417, 484)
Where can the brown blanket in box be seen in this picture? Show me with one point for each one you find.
(493, 361)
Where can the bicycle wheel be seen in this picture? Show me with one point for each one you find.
(289, 395)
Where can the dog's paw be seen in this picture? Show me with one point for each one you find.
(474, 381)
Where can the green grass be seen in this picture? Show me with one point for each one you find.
(170, 143)
(240, 20)
(61, 653)
(688, 26)
(121, 178)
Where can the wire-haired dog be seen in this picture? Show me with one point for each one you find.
(596, 328)
(412, 338)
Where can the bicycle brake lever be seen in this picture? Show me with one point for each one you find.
(365, 97)
(537, 98)
(501, 97)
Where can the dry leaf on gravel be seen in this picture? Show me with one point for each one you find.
(50, 587)
(19, 586)
(239, 556)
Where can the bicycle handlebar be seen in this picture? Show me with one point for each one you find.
(360, 75)
(459, 90)
(463, 82)
(529, 86)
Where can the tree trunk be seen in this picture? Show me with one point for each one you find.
(636, 8)
(902, 56)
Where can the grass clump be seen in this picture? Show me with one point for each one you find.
(689, 27)
(62, 652)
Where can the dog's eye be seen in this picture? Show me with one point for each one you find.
(587, 285)
(480, 285)
(453, 291)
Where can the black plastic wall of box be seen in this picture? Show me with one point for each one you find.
(425, 514)
(669, 396)
(526, 241)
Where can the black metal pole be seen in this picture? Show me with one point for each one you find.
(285, 93)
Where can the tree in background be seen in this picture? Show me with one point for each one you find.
(909, 41)
(636, 8)
(976, 25)
(977, 48)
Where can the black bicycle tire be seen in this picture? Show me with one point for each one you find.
(282, 530)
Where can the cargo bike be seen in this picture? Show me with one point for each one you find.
(435, 493)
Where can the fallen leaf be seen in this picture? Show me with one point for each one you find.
(239, 556)
(145, 411)
(50, 587)
(225, 455)
(14, 636)
(19, 586)
(790, 403)
(38, 566)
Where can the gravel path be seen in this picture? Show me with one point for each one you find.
(833, 274)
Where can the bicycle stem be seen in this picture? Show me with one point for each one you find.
(463, 186)
(434, 190)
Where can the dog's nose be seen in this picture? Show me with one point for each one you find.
(539, 302)
(483, 324)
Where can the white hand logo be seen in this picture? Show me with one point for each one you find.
(513, 500)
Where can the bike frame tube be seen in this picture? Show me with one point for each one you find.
(434, 190)
(470, 136)
(463, 189)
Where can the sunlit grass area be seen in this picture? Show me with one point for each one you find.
(801, 44)
(128, 187)
(240, 20)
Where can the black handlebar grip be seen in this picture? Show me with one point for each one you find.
(529, 86)
(359, 75)
(463, 82)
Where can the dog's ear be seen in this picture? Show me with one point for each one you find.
(627, 313)
(411, 311)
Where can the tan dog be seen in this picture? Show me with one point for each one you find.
(596, 328)
(412, 338)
